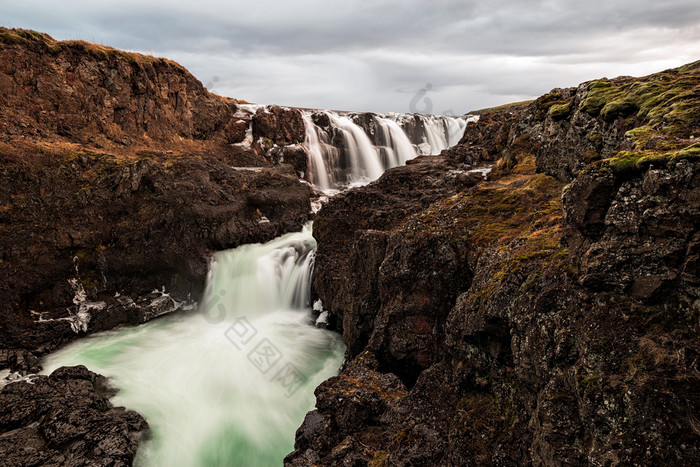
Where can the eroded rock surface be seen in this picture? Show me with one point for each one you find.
(66, 419)
(519, 321)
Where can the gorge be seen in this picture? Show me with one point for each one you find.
(545, 314)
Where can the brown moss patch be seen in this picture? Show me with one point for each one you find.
(496, 212)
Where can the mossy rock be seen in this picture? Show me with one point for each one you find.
(668, 102)
(640, 136)
(560, 111)
(619, 108)
(630, 162)
(544, 104)
(599, 93)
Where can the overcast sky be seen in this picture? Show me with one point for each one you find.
(377, 55)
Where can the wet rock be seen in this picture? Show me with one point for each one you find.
(279, 125)
(66, 419)
(294, 155)
(128, 228)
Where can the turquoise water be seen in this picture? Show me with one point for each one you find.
(227, 385)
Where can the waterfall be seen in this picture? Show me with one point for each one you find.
(319, 152)
(229, 384)
(363, 156)
(348, 149)
(398, 147)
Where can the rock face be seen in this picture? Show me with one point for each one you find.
(66, 419)
(519, 321)
(94, 94)
(93, 224)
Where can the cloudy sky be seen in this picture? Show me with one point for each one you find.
(378, 55)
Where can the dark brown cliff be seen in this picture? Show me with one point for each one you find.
(521, 320)
(119, 175)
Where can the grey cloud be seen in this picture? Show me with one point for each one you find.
(355, 54)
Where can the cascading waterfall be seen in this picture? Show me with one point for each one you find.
(455, 129)
(230, 384)
(318, 151)
(363, 156)
(397, 146)
(348, 150)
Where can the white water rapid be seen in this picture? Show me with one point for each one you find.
(230, 384)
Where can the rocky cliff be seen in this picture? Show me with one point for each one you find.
(120, 175)
(546, 316)
(93, 94)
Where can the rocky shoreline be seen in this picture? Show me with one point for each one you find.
(66, 419)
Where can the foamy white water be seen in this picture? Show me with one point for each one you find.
(346, 153)
(230, 383)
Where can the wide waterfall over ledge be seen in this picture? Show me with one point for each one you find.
(356, 148)
(341, 149)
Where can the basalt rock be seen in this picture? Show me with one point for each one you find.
(66, 419)
(359, 222)
(279, 125)
(528, 323)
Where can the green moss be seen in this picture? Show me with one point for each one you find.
(627, 161)
(599, 93)
(560, 111)
(618, 108)
(640, 136)
(690, 152)
(624, 161)
(545, 103)
(695, 66)
(30, 35)
(668, 102)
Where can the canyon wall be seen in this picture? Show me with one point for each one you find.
(546, 316)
